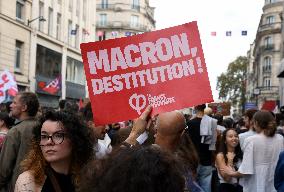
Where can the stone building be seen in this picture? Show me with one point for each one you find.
(120, 18)
(39, 42)
(265, 56)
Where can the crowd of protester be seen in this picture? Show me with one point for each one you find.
(64, 150)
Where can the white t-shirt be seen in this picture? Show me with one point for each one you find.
(259, 161)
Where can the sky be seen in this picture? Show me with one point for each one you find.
(214, 15)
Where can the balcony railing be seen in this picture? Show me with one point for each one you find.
(119, 7)
(266, 48)
(121, 25)
(270, 27)
(269, 90)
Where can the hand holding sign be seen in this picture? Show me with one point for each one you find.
(165, 69)
(140, 125)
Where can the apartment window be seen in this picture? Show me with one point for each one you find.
(104, 4)
(78, 8)
(70, 5)
(75, 71)
(20, 9)
(84, 9)
(58, 26)
(270, 19)
(135, 4)
(268, 42)
(18, 55)
(266, 82)
(77, 37)
(41, 13)
(47, 57)
(50, 21)
(69, 32)
(267, 64)
(103, 19)
(134, 21)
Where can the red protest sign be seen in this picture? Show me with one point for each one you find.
(164, 68)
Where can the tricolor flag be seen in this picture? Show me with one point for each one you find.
(86, 32)
(54, 86)
(228, 33)
(73, 31)
(128, 33)
(213, 33)
(244, 33)
(114, 33)
(100, 33)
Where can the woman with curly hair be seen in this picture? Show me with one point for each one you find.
(60, 146)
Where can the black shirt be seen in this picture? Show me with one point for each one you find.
(203, 151)
(64, 181)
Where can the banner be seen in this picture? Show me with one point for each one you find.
(54, 86)
(8, 86)
(165, 69)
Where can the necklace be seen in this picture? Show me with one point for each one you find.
(230, 156)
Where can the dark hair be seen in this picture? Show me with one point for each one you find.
(71, 106)
(279, 118)
(137, 169)
(200, 107)
(188, 154)
(249, 113)
(219, 118)
(265, 122)
(82, 141)
(241, 122)
(228, 123)
(223, 147)
(31, 101)
(9, 122)
(87, 112)
(61, 104)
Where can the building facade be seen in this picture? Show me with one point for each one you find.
(265, 57)
(39, 42)
(120, 18)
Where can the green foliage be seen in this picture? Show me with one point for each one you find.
(232, 84)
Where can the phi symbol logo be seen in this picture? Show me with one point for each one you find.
(137, 102)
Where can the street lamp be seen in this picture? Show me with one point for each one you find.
(40, 18)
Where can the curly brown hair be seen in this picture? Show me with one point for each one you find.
(82, 141)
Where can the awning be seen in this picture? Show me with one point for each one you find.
(269, 105)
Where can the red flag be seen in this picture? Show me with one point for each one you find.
(54, 86)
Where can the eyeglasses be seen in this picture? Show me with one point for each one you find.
(56, 138)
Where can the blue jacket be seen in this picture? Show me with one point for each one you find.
(279, 174)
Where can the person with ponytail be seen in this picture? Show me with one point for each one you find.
(261, 152)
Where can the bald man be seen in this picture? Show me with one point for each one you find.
(169, 128)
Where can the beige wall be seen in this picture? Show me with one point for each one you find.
(12, 29)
